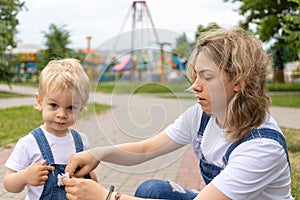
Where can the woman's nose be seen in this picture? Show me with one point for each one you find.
(197, 86)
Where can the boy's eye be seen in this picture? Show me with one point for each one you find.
(53, 105)
(72, 108)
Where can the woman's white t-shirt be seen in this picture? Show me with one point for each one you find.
(257, 169)
(27, 152)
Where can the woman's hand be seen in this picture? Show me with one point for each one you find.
(84, 189)
(81, 163)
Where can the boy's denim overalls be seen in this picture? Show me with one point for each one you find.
(160, 189)
(51, 190)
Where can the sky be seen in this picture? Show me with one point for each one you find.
(103, 19)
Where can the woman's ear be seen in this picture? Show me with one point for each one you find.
(238, 86)
(38, 101)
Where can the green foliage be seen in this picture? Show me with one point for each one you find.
(283, 87)
(182, 46)
(57, 40)
(278, 20)
(292, 28)
(8, 22)
(202, 28)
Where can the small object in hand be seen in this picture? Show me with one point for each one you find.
(60, 178)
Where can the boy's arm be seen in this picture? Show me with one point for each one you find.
(14, 181)
(35, 174)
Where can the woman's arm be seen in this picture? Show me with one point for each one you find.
(139, 152)
(211, 192)
(123, 154)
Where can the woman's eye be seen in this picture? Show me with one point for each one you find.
(207, 78)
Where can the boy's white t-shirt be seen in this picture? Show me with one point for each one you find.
(27, 152)
(257, 169)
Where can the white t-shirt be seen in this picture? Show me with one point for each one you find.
(257, 169)
(27, 152)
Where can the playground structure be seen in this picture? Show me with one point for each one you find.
(23, 59)
(143, 59)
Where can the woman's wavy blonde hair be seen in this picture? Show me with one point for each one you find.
(241, 56)
(64, 74)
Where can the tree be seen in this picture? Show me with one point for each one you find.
(277, 21)
(202, 28)
(8, 23)
(182, 46)
(57, 40)
(292, 28)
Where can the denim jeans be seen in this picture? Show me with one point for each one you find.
(160, 189)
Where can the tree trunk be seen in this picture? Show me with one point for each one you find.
(278, 76)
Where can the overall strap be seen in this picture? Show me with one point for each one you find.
(259, 133)
(77, 140)
(43, 145)
(204, 120)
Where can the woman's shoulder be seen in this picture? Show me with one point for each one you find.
(270, 123)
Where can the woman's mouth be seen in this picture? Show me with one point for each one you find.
(200, 100)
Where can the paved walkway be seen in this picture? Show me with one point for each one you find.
(133, 118)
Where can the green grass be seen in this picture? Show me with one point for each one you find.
(18, 121)
(288, 100)
(11, 95)
(293, 140)
(140, 87)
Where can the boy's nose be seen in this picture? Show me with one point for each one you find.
(61, 114)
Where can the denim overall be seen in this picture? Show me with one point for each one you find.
(161, 189)
(209, 171)
(51, 191)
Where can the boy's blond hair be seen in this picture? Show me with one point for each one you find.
(241, 56)
(64, 74)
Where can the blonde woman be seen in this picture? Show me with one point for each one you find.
(242, 151)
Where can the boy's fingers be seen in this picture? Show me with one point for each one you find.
(49, 167)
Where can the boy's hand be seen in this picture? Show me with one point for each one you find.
(37, 173)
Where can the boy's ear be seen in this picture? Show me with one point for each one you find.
(38, 101)
(83, 107)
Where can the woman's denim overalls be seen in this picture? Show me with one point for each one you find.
(160, 189)
(51, 191)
